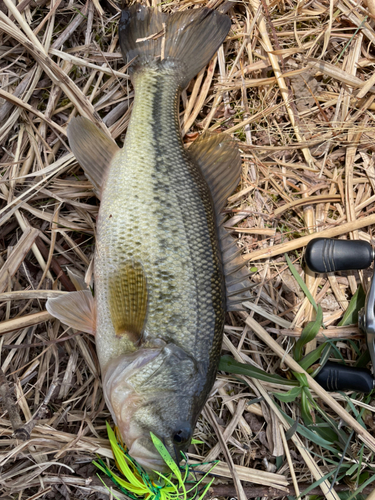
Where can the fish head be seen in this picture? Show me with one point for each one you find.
(155, 391)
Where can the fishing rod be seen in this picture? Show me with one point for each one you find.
(325, 255)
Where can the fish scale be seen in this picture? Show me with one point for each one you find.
(160, 213)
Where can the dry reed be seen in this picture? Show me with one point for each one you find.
(294, 84)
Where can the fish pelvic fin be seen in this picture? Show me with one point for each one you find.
(77, 280)
(93, 149)
(187, 40)
(128, 300)
(75, 309)
(219, 160)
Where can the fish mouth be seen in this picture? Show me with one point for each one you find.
(146, 458)
(123, 400)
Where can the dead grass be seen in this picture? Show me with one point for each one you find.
(294, 84)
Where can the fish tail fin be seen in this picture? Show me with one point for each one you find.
(187, 40)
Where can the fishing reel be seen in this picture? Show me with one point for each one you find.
(324, 255)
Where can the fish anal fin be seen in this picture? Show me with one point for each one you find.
(236, 274)
(75, 309)
(93, 149)
(128, 300)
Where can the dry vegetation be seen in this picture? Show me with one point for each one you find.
(294, 84)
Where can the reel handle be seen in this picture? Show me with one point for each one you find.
(336, 377)
(325, 255)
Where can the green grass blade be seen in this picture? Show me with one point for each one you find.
(312, 357)
(324, 358)
(111, 493)
(360, 463)
(360, 488)
(309, 333)
(315, 484)
(351, 314)
(300, 281)
(310, 435)
(288, 397)
(306, 409)
(230, 365)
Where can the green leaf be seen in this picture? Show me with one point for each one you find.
(196, 441)
(309, 333)
(306, 409)
(360, 463)
(363, 477)
(363, 359)
(357, 415)
(288, 397)
(301, 283)
(310, 435)
(279, 461)
(324, 430)
(163, 452)
(324, 358)
(291, 431)
(357, 302)
(352, 470)
(230, 365)
(305, 492)
(327, 427)
(312, 357)
(355, 495)
(302, 379)
(345, 495)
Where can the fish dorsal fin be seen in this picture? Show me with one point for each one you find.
(128, 300)
(219, 159)
(75, 309)
(93, 149)
(220, 162)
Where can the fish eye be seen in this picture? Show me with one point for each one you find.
(182, 435)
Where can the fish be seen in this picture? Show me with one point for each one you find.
(166, 270)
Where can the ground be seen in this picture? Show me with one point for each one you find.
(294, 85)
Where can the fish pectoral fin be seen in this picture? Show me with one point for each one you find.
(219, 159)
(75, 309)
(128, 300)
(93, 149)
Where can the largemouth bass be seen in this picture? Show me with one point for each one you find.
(163, 261)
